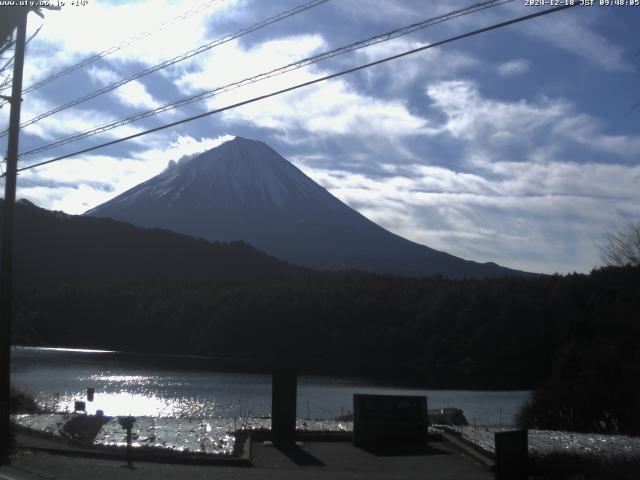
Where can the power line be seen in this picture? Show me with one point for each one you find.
(305, 84)
(270, 74)
(126, 43)
(7, 45)
(116, 48)
(7, 64)
(7, 83)
(174, 60)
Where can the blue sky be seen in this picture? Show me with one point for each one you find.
(519, 146)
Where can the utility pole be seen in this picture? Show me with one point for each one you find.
(6, 277)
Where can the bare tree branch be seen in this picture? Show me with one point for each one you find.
(622, 247)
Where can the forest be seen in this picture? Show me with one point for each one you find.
(97, 283)
(507, 333)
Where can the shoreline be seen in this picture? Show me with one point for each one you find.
(613, 455)
(242, 365)
(210, 436)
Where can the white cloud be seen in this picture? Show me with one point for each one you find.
(400, 74)
(586, 130)
(334, 108)
(491, 123)
(514, 67)
(569, 31)
(534, 217)
(69, 199)
(66, 122)
(73, 34)
(398, 12)
(230, 62)
(102, 76)
(470, 116)
(80, 31)
(135, 94)
(120, 173)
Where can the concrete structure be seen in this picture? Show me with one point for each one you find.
(380, 420)
(283, 407)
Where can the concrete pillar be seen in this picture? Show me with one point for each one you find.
(283, 407)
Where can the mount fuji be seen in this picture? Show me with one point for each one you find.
(244, 190)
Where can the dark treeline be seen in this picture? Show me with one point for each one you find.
(494, 333)
(53, 248)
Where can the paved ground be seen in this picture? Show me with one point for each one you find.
(24, 438)
(314, 460)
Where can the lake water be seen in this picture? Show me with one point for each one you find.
(133, 385)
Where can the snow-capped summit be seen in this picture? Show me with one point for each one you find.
(244, 190)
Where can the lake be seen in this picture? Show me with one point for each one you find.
(149, 386)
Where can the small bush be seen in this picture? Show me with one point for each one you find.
(593, 389)
(21, 402)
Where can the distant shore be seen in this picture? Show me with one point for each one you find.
(251, 366)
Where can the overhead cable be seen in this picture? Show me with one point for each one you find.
(173, 61)
(7, 82)
(270, 74)
(115, 48)
(304, 84)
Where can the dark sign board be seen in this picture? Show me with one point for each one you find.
(512, 454)
(389, 419)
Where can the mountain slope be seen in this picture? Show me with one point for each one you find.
(54, 249)
(244, 190)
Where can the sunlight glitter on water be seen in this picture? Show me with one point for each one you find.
(213, 435)
(75, 350)
(183, 435)
(141, 387)
(136, 379)
(125, 403)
